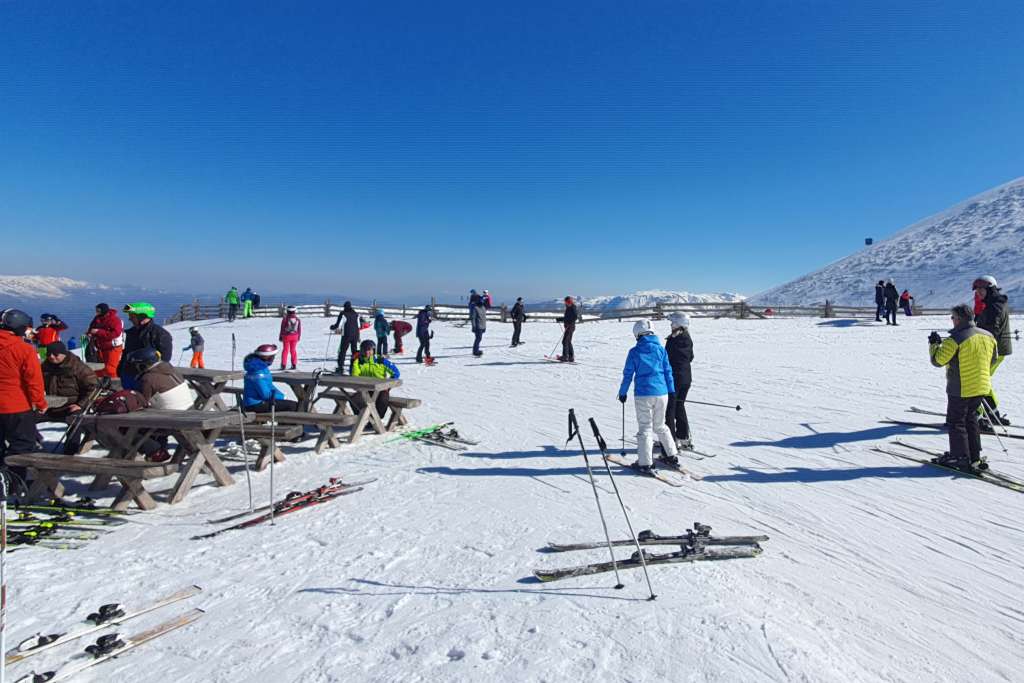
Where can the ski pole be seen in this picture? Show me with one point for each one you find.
(604, 456)
(233, 352)
(323, 363)
(714, 405)
(574, 430)
(557, 343)
(3, 576)
(245, 452)
(76, 424)
(623, 430)
(995, 421)
(273, 448)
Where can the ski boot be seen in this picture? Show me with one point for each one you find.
(642, 469)
(104, 645)
(670, 460)
(645, 535)
(952, 461)
(684, 444)
(106, 613)
(979, 465)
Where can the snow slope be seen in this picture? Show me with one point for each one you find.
(41, 286)
(644, 299)
(877, 568)
(936, 258)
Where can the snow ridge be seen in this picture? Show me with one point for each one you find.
(647, 298)
(42, 286)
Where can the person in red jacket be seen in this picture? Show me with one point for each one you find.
(48, 332)
(399, 328)
(106, 332)
(291, 333)
(21, 387)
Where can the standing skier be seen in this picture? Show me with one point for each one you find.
(994, 319)
(879, 300)
(968, 355)
(144, 333)
(106, 335)
(197, 344)
(488, 302)
(247, 299)
(892, 296)
(905, 299)
(369, 364)
(381, 328)
(679, 347)
(648, 363)
(232, 300)
(349, 334)
(424, 335)
(289, 336)
(518, 317)
(400, 328)
(258, 385)
(48, 331)
(568, 321)
(478, 321)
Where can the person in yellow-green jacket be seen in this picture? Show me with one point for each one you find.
(968, 354)
(367, 363)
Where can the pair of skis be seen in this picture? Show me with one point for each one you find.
(929, 458)
(942, 427)
(450, 439)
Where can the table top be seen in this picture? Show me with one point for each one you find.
(210, 374)
(57, 401)
(332, 380)
(167, 419)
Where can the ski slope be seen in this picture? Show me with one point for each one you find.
(877, 569)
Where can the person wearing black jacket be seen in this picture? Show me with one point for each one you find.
(879, 300)
(423, 334)
(679, 347)
(994, 318)
(892, 299)
(349, 335)
(518, 317)
(569, 322)
(143, 334)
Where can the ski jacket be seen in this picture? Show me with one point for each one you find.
(197, 343)
(518, 313)
(488, 302)
(21, 379)
(72, 378)
(478, 317)
(348, 320)
(879, 294)
(291, 327)
(380, 325)
(232, 296)
(570, 317)
(474, 301)
(995, 319)
(109, 329)
(164, 388)
(374, 366)
(247, 295)
(905, 297)
(979, 305)
(47, 334)
(423, 321)
(150, 335)
(258, 385)
(891, 294)
(968, 354)
(679, 347)
(400, 327)
(647, 364)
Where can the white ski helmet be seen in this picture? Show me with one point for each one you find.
(984, 281)
(679, 320)
(640, 328)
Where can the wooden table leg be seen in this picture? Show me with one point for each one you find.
(124, 446)
(203, 454)
(132, 489)
(45, 484)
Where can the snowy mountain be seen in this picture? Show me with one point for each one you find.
(936, 258)
(647, 298)
(42, 287)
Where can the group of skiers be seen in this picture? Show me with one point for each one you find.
(888, 299)
(247, 300)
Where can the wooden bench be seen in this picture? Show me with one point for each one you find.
(325, 423)
(395, 403)
(261, 433)
(47, 469)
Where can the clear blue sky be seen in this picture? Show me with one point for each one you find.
(534, 148)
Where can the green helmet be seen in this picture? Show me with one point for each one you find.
(141, 308)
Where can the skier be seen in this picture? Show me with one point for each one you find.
(905, 299)
(144, 333)
(21, 388)
(879, 300)
(232, 301)
(488, 302)
(474, 299)
(197, 344)
(247, 299)
(518, 317)
(349, 334)
(289, 336)
(163, 388)
(679, 347)
(892, 295)
(400, 328)
(67, 375)
(381, 329)
(106, 335)
(994, 319)
(478, 322)
(968, 355)
(649, 364)
(48, 331)
(568, 321)
(424, 335)
(369, 364)
(258, 385)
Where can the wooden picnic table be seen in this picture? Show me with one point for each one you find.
(209, 384)
(194, 431)
(367, 389)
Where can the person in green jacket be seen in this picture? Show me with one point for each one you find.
(232, 299)
(367, 363)
(247, 301)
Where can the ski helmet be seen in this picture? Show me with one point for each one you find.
(47, 318)
(15, 320)
(367, 344)
(141, 308)
(568, 299)
(641, 328)
(984, 281)
(266, 351)
(291, 309)
(679, 320)
(889, 282)
(193, 330)
(144, 357)
(102, 309)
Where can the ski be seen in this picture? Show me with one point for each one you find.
(686, 554)
(991, 478)
(68, 518)
(86, 508)
(438, 439)
(941, 426)
(335, 484)
(653, 474)
(647, 537)
(983, 468)
(922, 411)
(42, 523)
(284, 509)
(44, 642)
(453, 435)
(110, 646)
(676, 467)
(558, 359)
(27, 535)
(412, 434)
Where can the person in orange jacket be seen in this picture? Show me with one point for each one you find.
(50, 327)
(22, 394)
(106, 331)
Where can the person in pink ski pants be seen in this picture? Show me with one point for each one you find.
(291, 332)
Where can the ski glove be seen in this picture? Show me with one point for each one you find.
(431, 334)
(622, 398)
(934, 338)
(334, 328)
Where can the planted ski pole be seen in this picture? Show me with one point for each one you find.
(623, 430)
(327, 351)
(273, 448)
(994, 419)
(233, 348)
(3, 575)
(76, 424)
(552, 354)
(604, 456)
(574, 431)
(713, 405)
(245, 451)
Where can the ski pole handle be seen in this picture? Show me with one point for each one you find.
(597, 435)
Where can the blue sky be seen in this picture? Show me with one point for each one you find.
(408, 148)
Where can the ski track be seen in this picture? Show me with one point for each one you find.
(877, 569)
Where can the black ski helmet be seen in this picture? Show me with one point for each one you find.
(144, 357)
(367, 344)
(15, 320)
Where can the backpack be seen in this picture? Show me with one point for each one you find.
(124, 401)
(291, 325)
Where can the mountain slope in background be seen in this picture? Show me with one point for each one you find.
(42, 287)
(645, 299)
(936, 258)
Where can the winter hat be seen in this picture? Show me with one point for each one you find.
(519, 298)
(679, 320)
(641, 328)
(347, 305)
(56, 348)
(889, 281)
(984, 281)
(102, 309)
(568, 299)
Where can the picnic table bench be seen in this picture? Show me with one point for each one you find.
(397, 404)
(325, 423)
(47, 469)
(194, 431)
(209, 384)
(262, 433)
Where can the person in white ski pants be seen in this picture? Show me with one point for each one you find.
(647, 367)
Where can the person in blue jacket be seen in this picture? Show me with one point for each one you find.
(258, 385)
(381, 327)
(648, 368)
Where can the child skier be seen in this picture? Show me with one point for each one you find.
(291, 332)
(368, 364)
(48, 332)
(196, 344)
(381, 327)
(648, 363)
(258, 385)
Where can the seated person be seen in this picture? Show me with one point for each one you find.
(368, 364)
(164, 389)
(65, 374)
(258, 386)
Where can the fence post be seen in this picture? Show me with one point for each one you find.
(222, 310)
(829, 311)
(280, 310)
(327, 308)
(504, 313)
(433, 307)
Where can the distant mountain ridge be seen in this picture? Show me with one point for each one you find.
(936, 258)
(644, 299)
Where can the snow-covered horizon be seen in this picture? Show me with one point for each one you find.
(647, 298)
(43, 286)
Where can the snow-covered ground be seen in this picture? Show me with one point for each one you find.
(877, 569)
